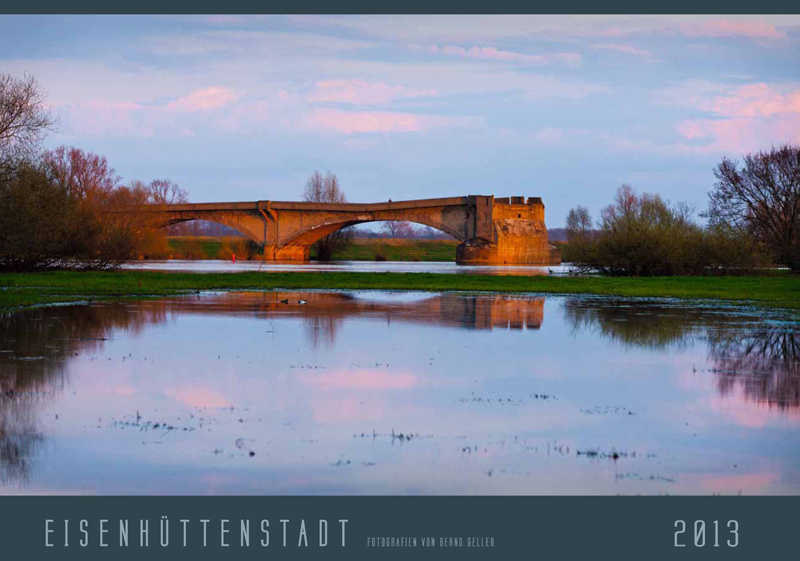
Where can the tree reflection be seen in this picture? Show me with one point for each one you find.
(762, 360)
(764, 363)
(36, 346)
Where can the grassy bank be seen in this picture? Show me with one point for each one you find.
(203, 247)
(361, 249)
(780, 290)
(380, 249)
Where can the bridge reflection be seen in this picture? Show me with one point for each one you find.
(37, 345)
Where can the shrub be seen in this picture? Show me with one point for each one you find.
(238, 246)
(643, 235)
(44, 227)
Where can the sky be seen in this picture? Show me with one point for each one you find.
(566, 108)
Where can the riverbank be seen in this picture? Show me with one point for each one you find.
(20, 290)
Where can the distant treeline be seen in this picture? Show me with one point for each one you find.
(203, 228)
(402, 230)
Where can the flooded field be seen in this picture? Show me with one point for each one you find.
(387, 393)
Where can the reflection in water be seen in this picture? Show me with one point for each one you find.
(35, 348)
(153, 396)
(765, 363)
(764, 360)
(324, 312)
(37, 344)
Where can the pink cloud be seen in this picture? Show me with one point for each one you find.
(755, 100)
(133, 119)
(728, 28)
(628, 49)
(750, 117)
(361, 92)
(106, 118)
(740, 135)
(203, 99)
(490, 53)
(350, 122)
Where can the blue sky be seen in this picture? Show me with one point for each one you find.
(562, 107)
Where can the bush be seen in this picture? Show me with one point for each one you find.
(44, 227)
(235, 246)
(643, 235)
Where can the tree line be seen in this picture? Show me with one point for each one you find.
(753, 223)
(53, 202)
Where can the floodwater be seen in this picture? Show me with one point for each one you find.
(219, 266)
(399, 393)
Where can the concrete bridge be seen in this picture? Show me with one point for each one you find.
(492, 231)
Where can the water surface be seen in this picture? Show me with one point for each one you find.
(219, 266)
(388, 393)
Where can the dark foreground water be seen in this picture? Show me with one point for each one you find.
(379, 393)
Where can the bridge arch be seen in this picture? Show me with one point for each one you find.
(251, 230)
(311, 235)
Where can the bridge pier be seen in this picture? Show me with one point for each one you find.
(508, 231)
(291, 253)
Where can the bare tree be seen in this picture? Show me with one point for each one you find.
(579, 223)
(84, 175)
(398, 229)
(326, 189)
(24, 120)
(165, 191)
(762, 198)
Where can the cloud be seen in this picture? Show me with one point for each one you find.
(473, 28)
(362, 92)
(549, 135)
(739, 135)
(755, 100)
(350, 122)
(730, 28)
(103, 117)
(108, 118)
(746, 118)
(628, 49)
(203, 100)
(257, 44)
(491, 53)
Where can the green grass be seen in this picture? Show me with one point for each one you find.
(362, 249)
(368, 249)
(208, 245)
(778, 290)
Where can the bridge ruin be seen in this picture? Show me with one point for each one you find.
(491, 231)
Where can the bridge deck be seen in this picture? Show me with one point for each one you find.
(304, 206)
